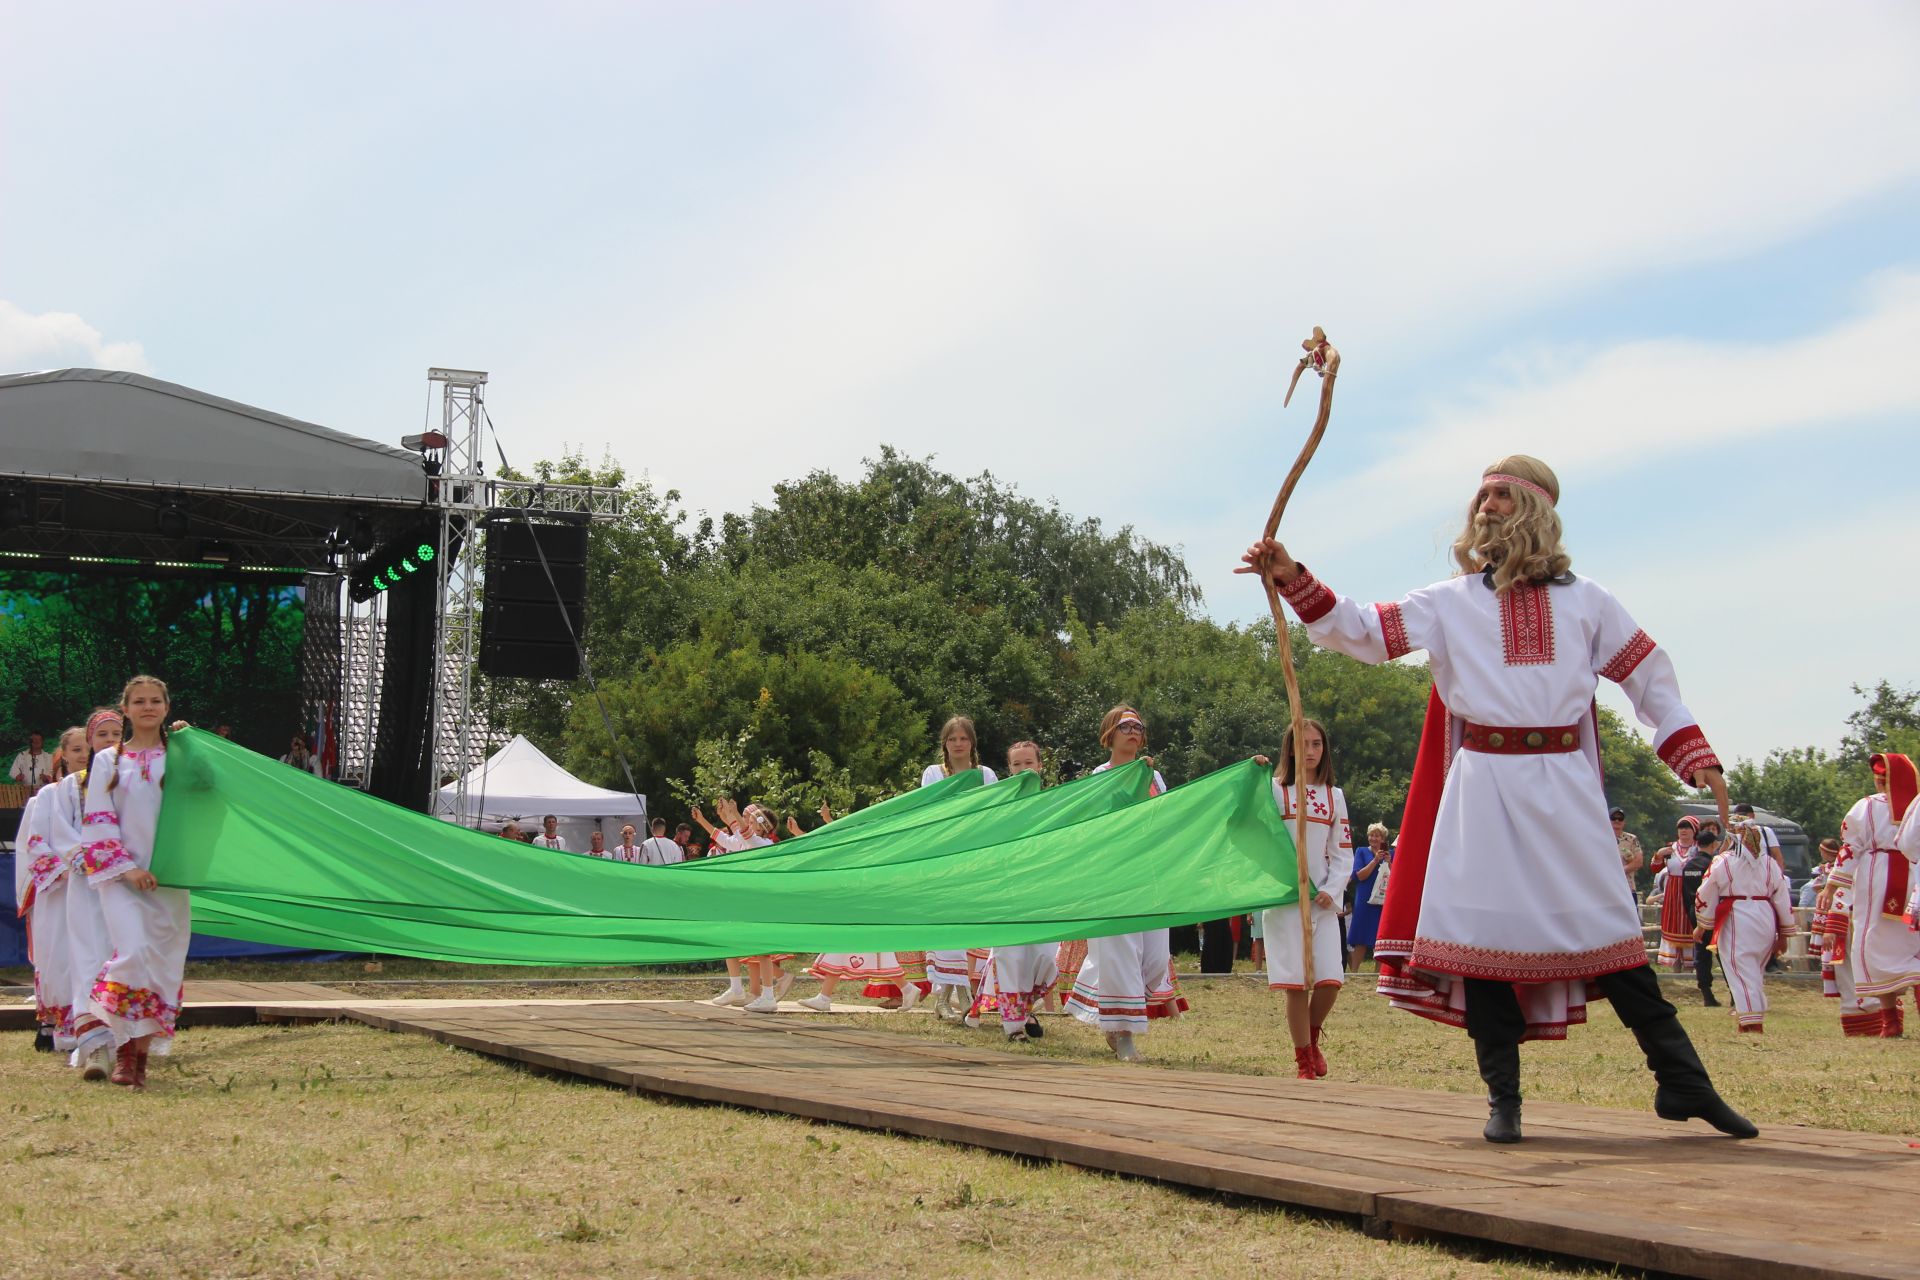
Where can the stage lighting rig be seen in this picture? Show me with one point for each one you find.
(171, 519)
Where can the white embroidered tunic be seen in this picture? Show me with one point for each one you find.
(1523, 876)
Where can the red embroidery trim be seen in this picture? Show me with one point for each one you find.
(1686, 752)
(1311, 599)
(1526, 626)
(1467, 961)
(1631, 655)
(1393, 627)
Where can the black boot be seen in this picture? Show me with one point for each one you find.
(1706, 998)
(1684, 1091)
(1500, 1068)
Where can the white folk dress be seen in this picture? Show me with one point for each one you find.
(1522, 877)
(1877, 873)
(40, 876)
(1127, 979)
(1744, 895)
(88, 946)
(950, 968)
(1329, 855)
(138, 991)
(1676, 935)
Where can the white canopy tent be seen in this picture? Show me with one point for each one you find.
(518, 783)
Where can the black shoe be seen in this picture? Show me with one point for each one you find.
(42, 1040)
(1706, 998)
(1034, 1030)
(1684, 1090)
(1500, 1068)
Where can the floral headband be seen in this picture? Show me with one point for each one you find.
(1500, 477)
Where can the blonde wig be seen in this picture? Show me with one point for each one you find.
(1525, 546)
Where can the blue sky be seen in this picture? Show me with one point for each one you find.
(1668, 248)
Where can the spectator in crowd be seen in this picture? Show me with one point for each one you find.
(33, 768)
(596, 844)
(1374, 863)
(1632, 856)
(683, 836)
(626, 850)
(224, 729)
(658, 851)
(511, 831)
(549, 837)
(301, 756)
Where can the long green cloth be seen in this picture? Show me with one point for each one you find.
(275, 855)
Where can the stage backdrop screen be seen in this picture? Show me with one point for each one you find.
(229, 651)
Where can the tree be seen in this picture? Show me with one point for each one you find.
(1805, 784)
(1889, 722)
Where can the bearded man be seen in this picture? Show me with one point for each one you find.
(1505, 914)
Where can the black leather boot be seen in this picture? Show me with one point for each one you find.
(1500, 1068)
(1706, 998)
(1683, 1090)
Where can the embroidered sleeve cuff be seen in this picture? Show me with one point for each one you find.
(1686, 753)
(1310, 598)
(1630, 655)
(105, 860)
(1393, 630)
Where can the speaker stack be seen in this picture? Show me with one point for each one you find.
(524, 615)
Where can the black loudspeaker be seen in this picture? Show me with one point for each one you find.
(524, 615)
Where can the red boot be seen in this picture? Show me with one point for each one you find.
(140, 1069)
(1319, 1058)
(1893, 1024)
(126, 1065)
(1303, 1059)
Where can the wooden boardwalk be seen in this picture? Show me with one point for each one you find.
(214, 1004)
(1587, 1182)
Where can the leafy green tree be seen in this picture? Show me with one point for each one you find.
(1889, 722)
(1804, 783)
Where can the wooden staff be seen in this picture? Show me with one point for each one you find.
(1325, 361)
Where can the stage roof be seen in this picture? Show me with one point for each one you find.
(104, 427)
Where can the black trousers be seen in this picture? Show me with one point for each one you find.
(1493, 1010)
(1703, 967)
(1216, 947)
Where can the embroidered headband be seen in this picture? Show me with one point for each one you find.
(1499, 477)
(99, 717)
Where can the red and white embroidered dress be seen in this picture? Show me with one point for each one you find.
(1744, 896)
(1127, 979)
(1329, 855)
(1676, 935)
(85, 932)
(1877, 872)
(137, 992)
(1507, 868)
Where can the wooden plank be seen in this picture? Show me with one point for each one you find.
(1402, 1156)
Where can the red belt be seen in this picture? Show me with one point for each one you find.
(1550, 739)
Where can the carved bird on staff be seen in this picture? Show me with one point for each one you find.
(1321, 357)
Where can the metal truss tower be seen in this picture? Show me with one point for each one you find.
(458, 743)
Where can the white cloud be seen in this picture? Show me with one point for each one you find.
(1060, 234)
(1640, 405)
(61, 340)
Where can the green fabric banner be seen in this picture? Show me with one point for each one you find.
(276, 855)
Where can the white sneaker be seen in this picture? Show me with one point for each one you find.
(731, 996)
(765, 1002)
(1123, 1047)
(970, 1022)
(910, 994)
(821, 1003)
(99, 1064)
(783, 986)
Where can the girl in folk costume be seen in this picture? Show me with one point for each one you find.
(1745, 895)
(951, 971)
(833, 967)
(1676, 931)
(1127, 979)
(1481, 929)
(751, 828)
(137, 993)
(34, 864)
(88, 945)
(44, 904)
(1329, 857)
(1876, 873)
(1016, 978)
(1833, 925)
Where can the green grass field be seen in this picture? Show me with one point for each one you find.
(340, 1151)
